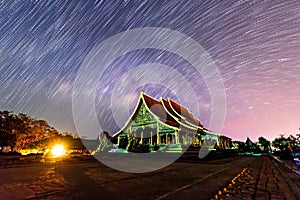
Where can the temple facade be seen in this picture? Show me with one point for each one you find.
(162, 125)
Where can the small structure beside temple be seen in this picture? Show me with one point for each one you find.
(163, 125)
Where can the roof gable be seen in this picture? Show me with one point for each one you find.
(158, 110)
(167, 112)
(183, 113)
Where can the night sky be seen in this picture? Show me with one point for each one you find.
(255, 45)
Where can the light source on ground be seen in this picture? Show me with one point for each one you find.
(58, 150)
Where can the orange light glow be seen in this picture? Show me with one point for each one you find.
(58, 150)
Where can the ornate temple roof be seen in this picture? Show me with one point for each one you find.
(157, 109)
(183, 113)
(169, 113)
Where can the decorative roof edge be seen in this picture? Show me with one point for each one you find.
(142, 100)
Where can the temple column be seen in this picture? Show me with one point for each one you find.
(176, 137)
(130, 131)
(173, 139)
(142, 134)
(157, 134)
(186, 139)
(166, 138)
(151, 140)
(118, 140)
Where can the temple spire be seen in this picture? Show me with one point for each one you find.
(141, 92)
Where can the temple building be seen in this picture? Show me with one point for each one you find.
(162, 125)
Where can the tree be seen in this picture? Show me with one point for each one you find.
(264, 143)
(284, 142)
(21, 131)
(280, 142)
(7, 131)
(298, 137)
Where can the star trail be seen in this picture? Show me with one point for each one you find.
(254, 44)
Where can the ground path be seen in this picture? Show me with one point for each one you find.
(229, 178)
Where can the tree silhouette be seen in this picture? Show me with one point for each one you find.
(21, 131)
(264, 143)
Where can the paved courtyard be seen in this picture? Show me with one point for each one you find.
(229, 178)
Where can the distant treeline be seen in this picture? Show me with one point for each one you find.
(19, 131)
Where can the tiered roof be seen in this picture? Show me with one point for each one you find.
(180, 112)
(158, 110)
(169, 113)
